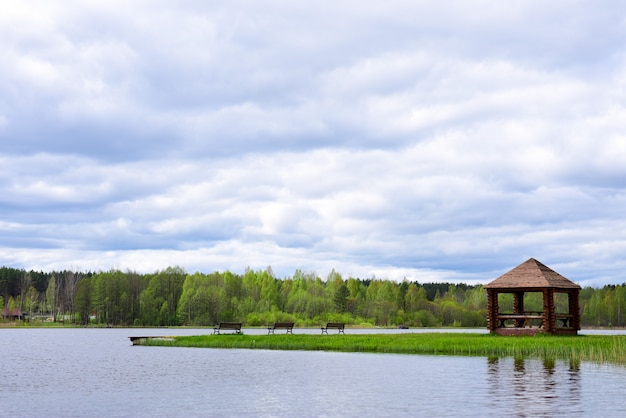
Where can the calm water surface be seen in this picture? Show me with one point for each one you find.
(97, 372)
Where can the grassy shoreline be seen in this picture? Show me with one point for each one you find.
(593, 348)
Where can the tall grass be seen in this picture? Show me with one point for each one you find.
(596, 348)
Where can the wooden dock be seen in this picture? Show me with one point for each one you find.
(138, 340)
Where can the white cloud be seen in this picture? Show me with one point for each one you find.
(406, 139)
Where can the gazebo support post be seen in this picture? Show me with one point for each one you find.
(574, 308)
(518, 307)
(549, 319)
(492, 309)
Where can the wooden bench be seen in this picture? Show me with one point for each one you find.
(334, 325)
(281, 325)
(235, 326)
(566, 319)
(140, 340)
(521, 320)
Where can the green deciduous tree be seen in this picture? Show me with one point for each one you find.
(83, 301)
(164, 286)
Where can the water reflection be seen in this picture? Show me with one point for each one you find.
(533, 387)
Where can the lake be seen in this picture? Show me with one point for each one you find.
(97, 372)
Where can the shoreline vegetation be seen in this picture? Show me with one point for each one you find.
(173, 297)
(591, 348)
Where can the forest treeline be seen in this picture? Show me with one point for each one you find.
(173, 297)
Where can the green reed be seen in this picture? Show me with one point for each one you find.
(596, 348)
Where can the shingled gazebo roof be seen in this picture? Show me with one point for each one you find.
(532, 274)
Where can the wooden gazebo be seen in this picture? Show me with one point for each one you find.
(533, 276)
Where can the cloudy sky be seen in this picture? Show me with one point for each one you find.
(428, 140)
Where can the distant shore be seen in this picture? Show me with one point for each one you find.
(19, 324)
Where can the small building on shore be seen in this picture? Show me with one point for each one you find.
(533, 277)
(12, 314)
